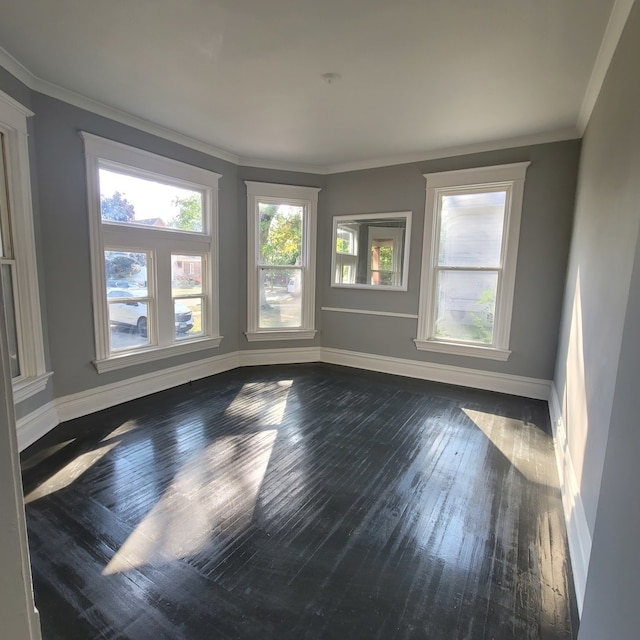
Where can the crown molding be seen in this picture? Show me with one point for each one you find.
(126, 118)
(298, 167)
(568, 133)
(613, 32)
(17, 69)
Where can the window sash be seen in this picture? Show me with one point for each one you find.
(439, 268)
(164, 180)
(302, 261)
(508, 178)
(284, 313)
(19, 246)
(199, 311)
(305, 197)
(473, 310)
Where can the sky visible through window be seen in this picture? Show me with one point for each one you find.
(149, 199)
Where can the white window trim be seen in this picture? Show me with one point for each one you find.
(101, 152)
(13, 125)
(511, 176)
(294, 195)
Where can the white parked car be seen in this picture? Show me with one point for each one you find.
(132, 314)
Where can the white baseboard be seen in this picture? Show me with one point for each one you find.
(36, 424)
(487, 380)
(577, 528)
(85, 402)
(255, 357)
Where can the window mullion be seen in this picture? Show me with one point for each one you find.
(163, 303)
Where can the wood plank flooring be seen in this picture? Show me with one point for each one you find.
(301, 502)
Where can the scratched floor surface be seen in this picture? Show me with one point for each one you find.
(301, 502)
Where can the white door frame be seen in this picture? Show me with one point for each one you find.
(20, 619)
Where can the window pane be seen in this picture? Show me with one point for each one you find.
(466, 305)
(382, 261)
(186, 275)
(471, 229)
(128, 321)
(126, 270)
(280, 298)
(188, 318)
(133, 200)
(5, 227)
(382, 278)
(10, 318)
(346, 240)
(280, 234)
(128, 298)
(345, 269)
(348, 274)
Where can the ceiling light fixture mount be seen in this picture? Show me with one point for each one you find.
(330, 78)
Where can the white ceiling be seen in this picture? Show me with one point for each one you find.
(419, 78)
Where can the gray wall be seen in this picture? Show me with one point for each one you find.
(64, 257)
(611, 598)
(16, 89)
(599, 356)
(544, 240)
(606, 228)
(65, 225)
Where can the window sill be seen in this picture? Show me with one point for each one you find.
(286, 334)
(458, 349)
(28, 387)
(154, 353)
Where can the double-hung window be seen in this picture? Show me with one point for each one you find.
(472, 225)
(346, 253)
(153, 225)
(17, 255)
(281, 261)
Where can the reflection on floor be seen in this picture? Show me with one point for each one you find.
(301, 502)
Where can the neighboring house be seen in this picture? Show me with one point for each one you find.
(188, 270)
(152, 222)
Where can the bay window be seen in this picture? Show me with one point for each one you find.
(153, 224)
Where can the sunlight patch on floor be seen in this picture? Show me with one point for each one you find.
(125, 427)
(70, 473)
(524, 445)
(214, 494)
(263, 401)
(43, 454)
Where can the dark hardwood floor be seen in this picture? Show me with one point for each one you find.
(301, 502)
